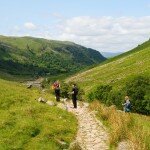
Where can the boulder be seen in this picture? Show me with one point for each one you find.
(61, 142)
(42, 100)
(125, 145)
(62, 106)
(63, 100)
(29, 86)
(50, 103)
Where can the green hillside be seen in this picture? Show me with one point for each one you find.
(117, 70)
(28, 124)
(106, 86)
(36, 56)
(127, 74)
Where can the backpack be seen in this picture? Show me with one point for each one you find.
(129, 106)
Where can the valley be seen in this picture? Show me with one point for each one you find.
(28, 124)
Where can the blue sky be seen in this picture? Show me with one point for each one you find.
(100, 24)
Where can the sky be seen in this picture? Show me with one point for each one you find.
(104, 25)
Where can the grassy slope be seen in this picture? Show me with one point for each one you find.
(116, 70)
(27, 124)
(122, 126)
(17, 78)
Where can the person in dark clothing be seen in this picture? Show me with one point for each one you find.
(74, 95)
(57, 94)
(56, 87)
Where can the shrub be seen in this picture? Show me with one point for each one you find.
(138, 89)
(100, 93)
(91, 97)
(115, 97)
(67, 87)
(81, 93)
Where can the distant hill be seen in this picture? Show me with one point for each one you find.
(110, 54)
(115, 71)
(37, 56)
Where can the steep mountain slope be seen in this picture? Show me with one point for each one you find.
(117, 70)
(28, 56)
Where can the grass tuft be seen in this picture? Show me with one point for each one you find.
(124, 126)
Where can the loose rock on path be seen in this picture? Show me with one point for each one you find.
(91, 133)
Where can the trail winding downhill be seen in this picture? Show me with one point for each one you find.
(91, 135)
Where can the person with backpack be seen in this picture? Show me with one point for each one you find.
(56, 87)
(127, 104)
(74, 95)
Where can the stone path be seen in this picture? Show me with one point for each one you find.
(91, 133)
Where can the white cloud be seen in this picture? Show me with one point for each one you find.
(102, 33)
(30, 26)
(106, 33)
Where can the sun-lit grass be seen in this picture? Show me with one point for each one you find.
(28, 124)
(116, 71)
(124, 126)
(29, 56)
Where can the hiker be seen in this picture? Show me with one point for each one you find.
(127, 104)
(56, 87)
(74, 95)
